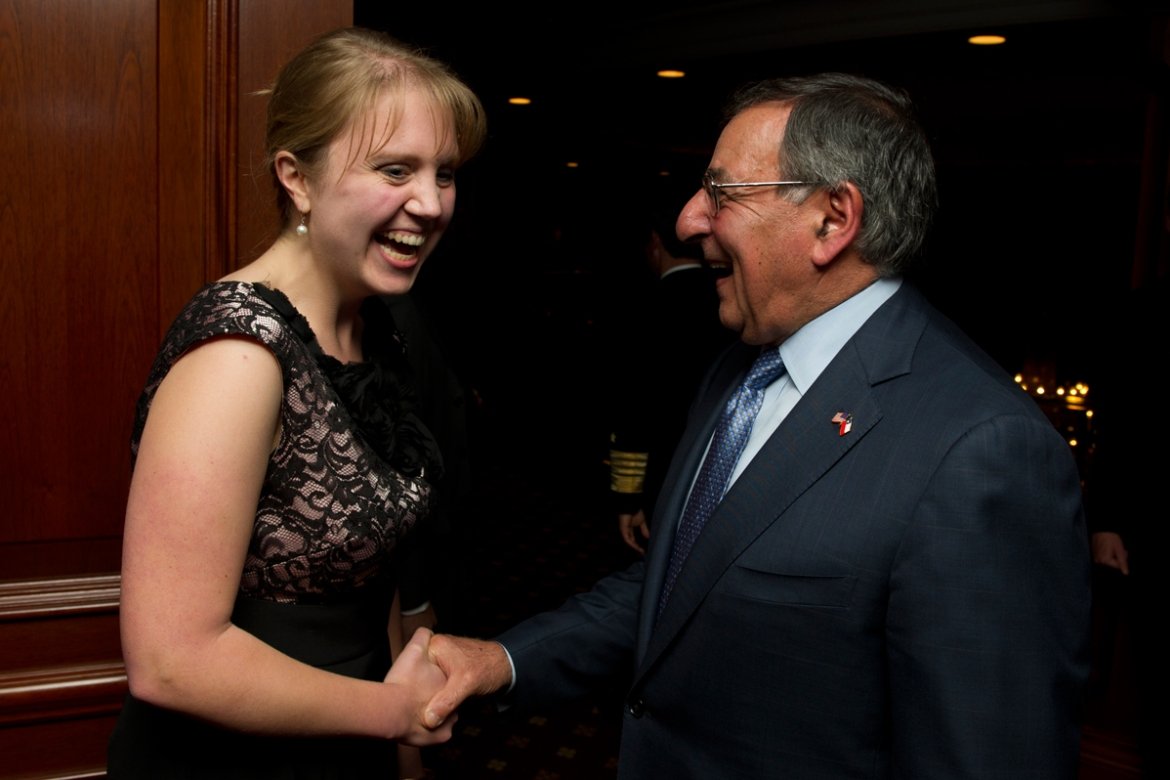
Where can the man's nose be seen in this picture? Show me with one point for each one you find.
(695, 220)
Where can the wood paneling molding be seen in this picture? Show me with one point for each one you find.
(56, 694)
(57, 631)
(59, 597)
(62, 680)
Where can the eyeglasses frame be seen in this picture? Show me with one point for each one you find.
(712, 187)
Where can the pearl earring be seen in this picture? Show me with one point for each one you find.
(303, 229)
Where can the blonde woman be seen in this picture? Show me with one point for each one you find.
(277, 460)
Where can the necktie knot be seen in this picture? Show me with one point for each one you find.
(766, 369)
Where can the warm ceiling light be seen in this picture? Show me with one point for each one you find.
(986, 40)
(671, 74)
(520, 101)
(572, 164)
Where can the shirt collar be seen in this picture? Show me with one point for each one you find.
(685, 267)
(810, 349)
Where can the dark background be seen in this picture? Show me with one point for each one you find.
(1050, 154)
(1052, 166)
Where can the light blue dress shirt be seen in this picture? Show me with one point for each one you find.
(805, 354)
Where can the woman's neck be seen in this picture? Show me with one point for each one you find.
(333, 316)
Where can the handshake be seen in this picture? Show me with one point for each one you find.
(434, 674)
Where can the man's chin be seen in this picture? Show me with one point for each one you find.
(733, 324)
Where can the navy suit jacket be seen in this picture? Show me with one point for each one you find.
(907, 600)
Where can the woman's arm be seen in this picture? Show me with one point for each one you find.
(201, 462)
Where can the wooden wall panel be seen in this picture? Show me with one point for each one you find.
(121, 123)
(261, 56)
(121, 199)
(78, 226)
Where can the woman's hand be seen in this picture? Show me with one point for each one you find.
(415, 679)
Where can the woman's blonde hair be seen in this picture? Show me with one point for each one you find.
(342, 75)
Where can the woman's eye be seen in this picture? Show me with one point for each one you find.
(445, 177)
(395, 171)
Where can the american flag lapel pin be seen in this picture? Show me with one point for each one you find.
(844, 422)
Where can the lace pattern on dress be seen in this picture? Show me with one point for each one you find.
(332, 506)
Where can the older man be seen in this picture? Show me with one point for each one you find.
(869, 559)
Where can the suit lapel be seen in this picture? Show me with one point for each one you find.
(804, 448)
(727, 374)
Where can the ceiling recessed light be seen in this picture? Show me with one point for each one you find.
(572, 164)
(986, 40)
(671, 74)
(520, 101)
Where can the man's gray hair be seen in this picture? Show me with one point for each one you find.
(845, 128)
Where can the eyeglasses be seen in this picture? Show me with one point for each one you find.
(712, 187)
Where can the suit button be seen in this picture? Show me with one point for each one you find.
(636, 707)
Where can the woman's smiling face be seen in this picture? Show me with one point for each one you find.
(384, 195)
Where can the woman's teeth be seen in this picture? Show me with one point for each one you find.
(410, 239)
(401, 246)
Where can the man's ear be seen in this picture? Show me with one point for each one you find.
(292, 177)
(840, 214)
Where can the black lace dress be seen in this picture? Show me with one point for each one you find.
(350, 475)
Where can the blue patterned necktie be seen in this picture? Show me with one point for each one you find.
(726, 445)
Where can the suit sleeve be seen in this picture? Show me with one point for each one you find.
(566, 653)
(988, 618)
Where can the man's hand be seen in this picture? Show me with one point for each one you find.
(627, 524)
(416, 680)
(473, 667)
(1109, 550)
